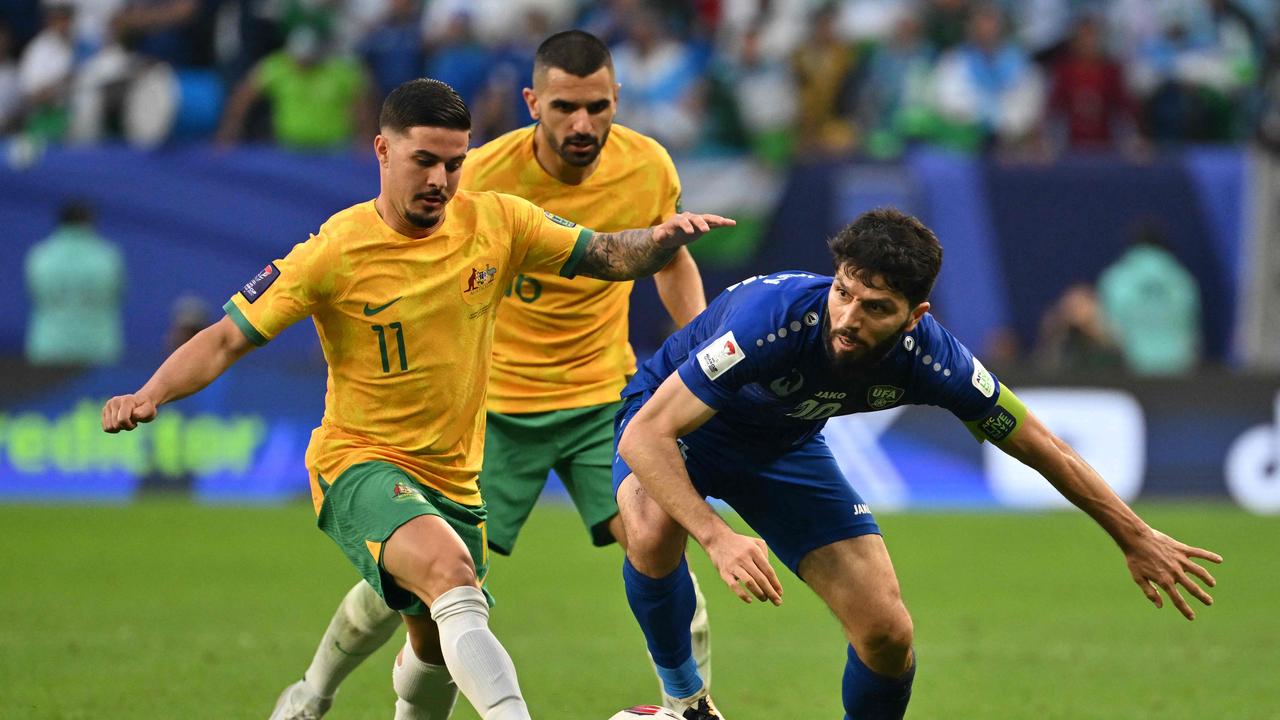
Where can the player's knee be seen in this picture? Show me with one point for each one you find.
(654, 552)
(456, 572)
(885, 641)
(433, 575)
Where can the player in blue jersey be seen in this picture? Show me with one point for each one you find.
(733, 406)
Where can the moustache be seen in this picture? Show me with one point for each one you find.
(850, 338)
(583, 139)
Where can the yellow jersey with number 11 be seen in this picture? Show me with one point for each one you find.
(406, 326)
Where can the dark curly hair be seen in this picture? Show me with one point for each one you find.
(892, 245)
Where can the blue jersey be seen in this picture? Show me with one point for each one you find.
(756, 355)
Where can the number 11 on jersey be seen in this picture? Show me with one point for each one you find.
(382, 345)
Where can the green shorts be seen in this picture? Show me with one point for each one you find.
(519, 451)
(365, 505)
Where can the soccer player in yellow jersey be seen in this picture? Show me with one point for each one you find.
(560, 349)
(403, 291)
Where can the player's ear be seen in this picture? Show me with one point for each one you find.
(381, 150)
(531, 99)
(916, 313)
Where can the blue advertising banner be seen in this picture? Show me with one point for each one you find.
(244, 438)
(241, 439)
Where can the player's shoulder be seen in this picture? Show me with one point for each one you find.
(638, 146)
(359, 219)
(482, 200)
(490, 208)
(931, 336)
(948, 362)
(781, 288)
(794, 297)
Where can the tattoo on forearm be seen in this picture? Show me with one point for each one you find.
(624, 255)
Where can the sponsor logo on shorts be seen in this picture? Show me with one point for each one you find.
(861, 509)
(406, 492)
(830, 395)
(260, 282)
(982, 379)
(559, 220)
(880, 397)
(723, 353)
(998, 424)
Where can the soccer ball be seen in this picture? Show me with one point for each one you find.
(646, 711)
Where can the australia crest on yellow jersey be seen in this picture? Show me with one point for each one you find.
(478, 280)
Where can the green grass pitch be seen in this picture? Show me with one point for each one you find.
(165, 609)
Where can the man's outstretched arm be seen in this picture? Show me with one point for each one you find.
(649, 446)
(188, 370)
(630, 254)
(1154, 559)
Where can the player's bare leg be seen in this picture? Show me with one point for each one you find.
(427, 558)
(700, 628)
(661, 592)
(855, 578)
(361, 624)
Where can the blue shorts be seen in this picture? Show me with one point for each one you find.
(796, 499)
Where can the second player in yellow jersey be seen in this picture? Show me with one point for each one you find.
(562, 343)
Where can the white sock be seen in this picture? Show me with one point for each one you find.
(423, 691)
(700, 630)
(361, 625)
(478, 662)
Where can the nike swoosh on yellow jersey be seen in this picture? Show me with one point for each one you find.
(374, 311)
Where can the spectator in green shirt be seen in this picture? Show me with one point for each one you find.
(318, 100)
(75, 279)
(1153, 305)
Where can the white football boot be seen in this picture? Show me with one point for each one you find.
(298, 702)
(698, 706)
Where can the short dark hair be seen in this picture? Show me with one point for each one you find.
(424, 103)
(576, 52)
(892, 245)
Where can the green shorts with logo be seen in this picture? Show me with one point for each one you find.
(519, 451)
(365, 505)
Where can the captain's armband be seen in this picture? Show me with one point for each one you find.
(1002, 421)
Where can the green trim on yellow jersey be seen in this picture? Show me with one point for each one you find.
(243, 323)
(569, 270)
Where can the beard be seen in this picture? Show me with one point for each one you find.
(855, 362)
(420, 220)
(426, 220)
(582, 159)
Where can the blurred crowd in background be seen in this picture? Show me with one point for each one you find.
(774, 78)
(771, 83)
